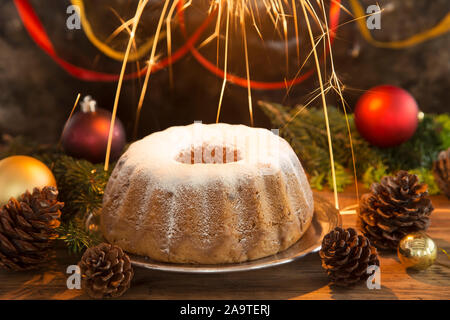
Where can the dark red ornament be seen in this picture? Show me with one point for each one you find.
(386, 116)
(86, 134)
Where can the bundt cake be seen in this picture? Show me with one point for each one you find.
(207, 194)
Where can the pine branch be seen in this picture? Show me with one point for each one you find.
(418, 152)
(374, 174)
(76, 238)
(307, 135)
(343, 178)
(444, 130)
(81, 183)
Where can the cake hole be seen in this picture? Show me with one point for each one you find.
(209, 154)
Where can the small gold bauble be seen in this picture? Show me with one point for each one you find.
(21, 173)
(417, 251)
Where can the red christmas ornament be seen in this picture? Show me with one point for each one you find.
(86, 134)
(386, 116)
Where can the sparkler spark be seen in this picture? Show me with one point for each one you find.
(137, 17)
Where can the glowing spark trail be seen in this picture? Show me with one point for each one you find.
(151, 62)
(137, 16)
(225, 66)
(247, 68)
(341, 96)
(324, 102)
(68, 119)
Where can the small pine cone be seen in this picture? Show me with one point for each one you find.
(27, 228)
(441, 172)
(346, 256)
(106, 271)
(397, 206)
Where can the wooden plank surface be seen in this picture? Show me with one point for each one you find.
(302, 279)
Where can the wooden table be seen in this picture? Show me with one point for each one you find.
(302, 279)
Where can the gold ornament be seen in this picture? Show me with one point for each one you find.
(21, 173)
(417, 251)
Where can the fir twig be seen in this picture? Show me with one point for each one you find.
(307, 135)
(76, 237)
(82, 184)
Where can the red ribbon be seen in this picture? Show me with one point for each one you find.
(37, 32)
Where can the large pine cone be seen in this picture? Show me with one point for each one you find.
(27, 228)
(346, 256)
(441, 172)
(106, 271)
(396, 207)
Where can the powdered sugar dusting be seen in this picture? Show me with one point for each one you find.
(197, 170)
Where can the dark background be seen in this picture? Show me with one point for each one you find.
(36, 95)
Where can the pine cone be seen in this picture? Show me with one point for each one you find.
(346, 256)
(27, 228)
(106, 271)
(396, 207)
(441, 172)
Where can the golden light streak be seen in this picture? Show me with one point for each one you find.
(150, 63)
(297, 37)
(137, 17)
(126, 26)
(217, 32)
(285, 33)
(225, 67)
(169, 39)
(102, 46)
(324, 103)
(303, 65)
(249, 93)
(307, 104)
(255, 25)
(239, 9)
(68, 119)
(341, 96)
